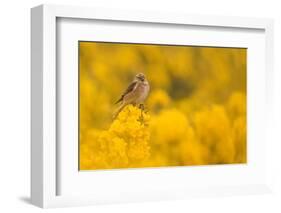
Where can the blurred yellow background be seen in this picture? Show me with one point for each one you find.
(195, 112)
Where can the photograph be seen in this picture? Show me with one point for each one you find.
(160, 105)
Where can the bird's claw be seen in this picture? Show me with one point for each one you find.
(141, 106)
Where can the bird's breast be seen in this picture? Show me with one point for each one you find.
(143, 91)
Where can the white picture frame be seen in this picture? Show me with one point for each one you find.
(45, 168)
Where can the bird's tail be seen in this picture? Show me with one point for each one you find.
(118, 101)
(119, 109)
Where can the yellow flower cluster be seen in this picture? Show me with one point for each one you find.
(195, 113)
(125, 144)
(208, 136)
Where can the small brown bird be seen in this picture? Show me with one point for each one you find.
(135, 94)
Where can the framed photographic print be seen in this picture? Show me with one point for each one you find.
(130, 106)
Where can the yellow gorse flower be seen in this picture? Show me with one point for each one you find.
(124, 144)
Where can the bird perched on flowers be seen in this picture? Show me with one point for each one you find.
(135, 94)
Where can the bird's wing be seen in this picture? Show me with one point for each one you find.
(130, 88)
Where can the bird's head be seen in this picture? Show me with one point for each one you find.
(140, 77)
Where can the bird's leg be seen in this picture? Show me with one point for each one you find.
(141, 106)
